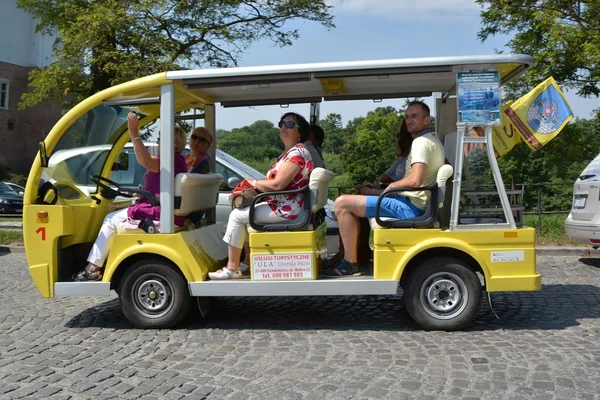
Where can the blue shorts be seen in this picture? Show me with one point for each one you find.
(394, 207)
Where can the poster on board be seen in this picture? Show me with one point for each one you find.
(478, 98)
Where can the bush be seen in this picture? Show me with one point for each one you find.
(7, 176)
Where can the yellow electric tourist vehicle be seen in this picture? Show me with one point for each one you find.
(442, 262)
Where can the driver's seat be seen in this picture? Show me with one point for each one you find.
(196, 192)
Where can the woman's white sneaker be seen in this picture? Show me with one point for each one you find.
(225, 273)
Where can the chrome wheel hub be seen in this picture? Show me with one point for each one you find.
(444, 295)
(153, 296)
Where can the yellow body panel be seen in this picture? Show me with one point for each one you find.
(185, 249)
(273, 243)
(43, 236)
(395, 248)
(70, 221)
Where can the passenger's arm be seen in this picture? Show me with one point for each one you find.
(370, 190)
(385, 178)
(142, 155)
(414, 180)
(287, 171)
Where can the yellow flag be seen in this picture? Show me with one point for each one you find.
(541, 114)
(504, 136)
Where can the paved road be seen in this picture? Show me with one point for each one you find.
(545, 345)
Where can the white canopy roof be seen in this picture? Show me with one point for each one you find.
(380, 79)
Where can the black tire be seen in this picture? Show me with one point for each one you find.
(149, 278)
(442, 294)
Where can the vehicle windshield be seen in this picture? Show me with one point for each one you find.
(83, 149)
(100, 125)
(6, 189)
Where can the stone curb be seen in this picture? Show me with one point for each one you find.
(11, 226)
(12, 249)
(566, 251)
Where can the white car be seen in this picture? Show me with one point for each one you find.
(583, 223)
(80, 164)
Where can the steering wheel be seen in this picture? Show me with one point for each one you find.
(108, 191)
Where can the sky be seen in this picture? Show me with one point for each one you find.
(373, 30)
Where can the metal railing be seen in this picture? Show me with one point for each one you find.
(539, 210)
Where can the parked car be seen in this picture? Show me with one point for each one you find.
(10, 201)
(18, 189)
(78, 165)
(583, 223)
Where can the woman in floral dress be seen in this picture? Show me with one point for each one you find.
(291, 171)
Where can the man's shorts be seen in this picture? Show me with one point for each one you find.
(394, 207)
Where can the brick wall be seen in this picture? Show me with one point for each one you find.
(19, 143)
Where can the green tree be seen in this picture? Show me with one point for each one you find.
(353, 124)
(478, 163)
(257, 145)
(105, 42)
(373, 149)
(335, 138)
(563, 36)
(384, 110)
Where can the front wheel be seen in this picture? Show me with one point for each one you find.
(154, 295)
(443, 294)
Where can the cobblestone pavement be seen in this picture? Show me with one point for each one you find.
(545, 345)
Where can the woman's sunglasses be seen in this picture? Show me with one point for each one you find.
(288, 124)
(199, 138)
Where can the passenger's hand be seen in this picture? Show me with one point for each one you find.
(364, 189)
(133, 123)
(369, 189)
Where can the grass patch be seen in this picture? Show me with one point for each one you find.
(553, 229)
(11, 237)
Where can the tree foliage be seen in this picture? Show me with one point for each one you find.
(105, 42)
(563, 36)
(258, 144)
(335, 134)
(372, 150)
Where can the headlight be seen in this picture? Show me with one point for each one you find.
(2, 201)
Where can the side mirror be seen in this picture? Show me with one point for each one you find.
(43, 155)
(122, 164)
(233, 182)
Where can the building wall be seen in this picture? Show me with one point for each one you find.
(21, 131)
(21, 50)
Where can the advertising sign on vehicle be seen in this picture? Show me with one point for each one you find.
(478, 98)
(291, 266)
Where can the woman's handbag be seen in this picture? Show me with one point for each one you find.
(243, 194)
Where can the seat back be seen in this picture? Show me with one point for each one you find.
(319, 188)
(431, 212)
(450, 147)
(196, 192)
(315, 198)
(444, 173)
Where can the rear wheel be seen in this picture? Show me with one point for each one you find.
(154, 295)
(443, 294)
